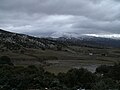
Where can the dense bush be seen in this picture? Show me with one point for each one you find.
(112, 72)
(110, 77)
(106, 84)
(31, 77)
(103, 69)
(5, 60)
(77, 77)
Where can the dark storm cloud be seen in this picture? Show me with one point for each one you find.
(55, 16)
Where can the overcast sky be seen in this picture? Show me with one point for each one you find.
(53, 17)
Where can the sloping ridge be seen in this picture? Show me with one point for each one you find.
(16, 41)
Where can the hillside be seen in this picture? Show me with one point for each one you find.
(54, 54)
(91, 41)
(14, 41)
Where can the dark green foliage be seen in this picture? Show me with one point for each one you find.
(114, 72)
(109, 71)
(103, 69)
(110, 77)
(32, 77)
(43, 48)
(106, 84)
(5, 60)
(22, 78)
(77, 77)
(59, 47)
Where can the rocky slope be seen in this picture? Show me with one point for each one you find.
(15, 41)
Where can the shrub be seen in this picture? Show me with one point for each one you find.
(106, 84)
(102, 69)
(5, 60)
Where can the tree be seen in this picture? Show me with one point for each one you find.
(43, 48)
(114, 72)
(77, 77)
(5, 60)
(105, 84)
(59, 47)
(103, 69)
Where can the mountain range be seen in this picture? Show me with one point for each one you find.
(15, 41)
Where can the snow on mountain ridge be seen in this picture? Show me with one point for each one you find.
(112, 36)
(78, 36)
(65, 34)
(70, 35)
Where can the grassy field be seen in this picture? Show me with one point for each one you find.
(70, 57)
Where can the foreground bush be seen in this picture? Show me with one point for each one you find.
(77, 77)
(106, 84)
(5, 60)
(31, 77)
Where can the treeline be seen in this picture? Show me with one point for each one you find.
(32, 77)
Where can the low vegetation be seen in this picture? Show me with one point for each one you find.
(5, 60)
(32, 77)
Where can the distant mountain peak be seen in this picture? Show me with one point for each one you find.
(111, 36)
(70, 35)
(68, 38)
(65, 34)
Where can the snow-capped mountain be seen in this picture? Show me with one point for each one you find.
(64, 34)
(69, 35)
(89, 39)
(18, 40)
(112, 36)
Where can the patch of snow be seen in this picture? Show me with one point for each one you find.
(113, 36)
(65, 34)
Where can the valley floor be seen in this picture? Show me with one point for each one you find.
(61, 61)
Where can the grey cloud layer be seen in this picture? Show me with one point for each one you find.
(53, 16)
